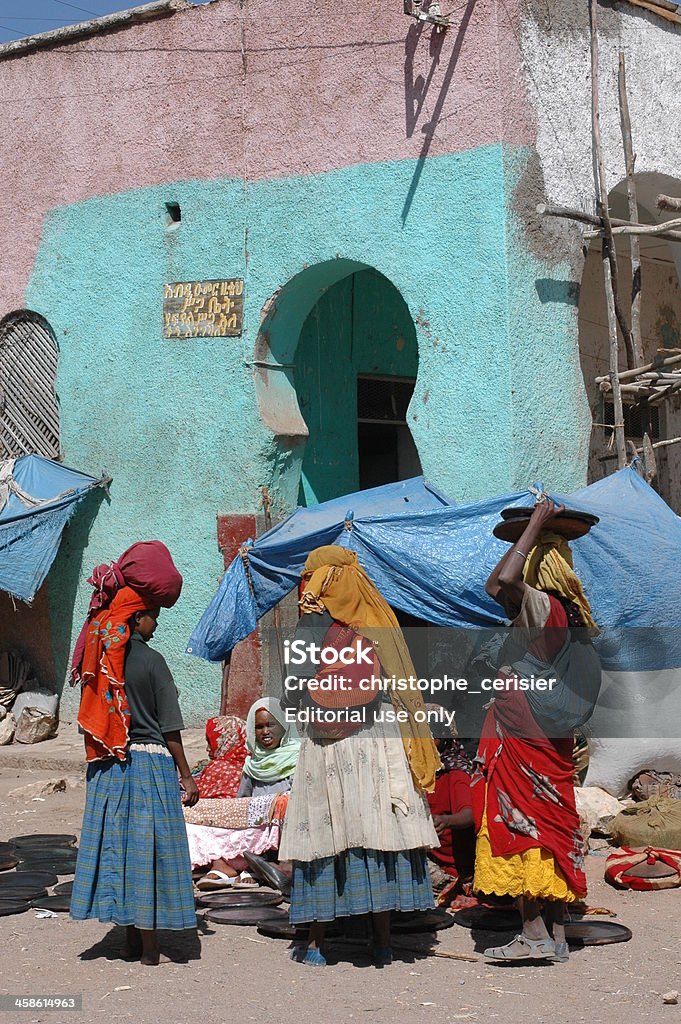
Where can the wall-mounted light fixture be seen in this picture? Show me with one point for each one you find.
(431, 14)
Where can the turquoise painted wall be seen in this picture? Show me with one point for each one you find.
(177, 424)
(551, 421)
(360, 326)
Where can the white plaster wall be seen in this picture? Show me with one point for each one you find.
(557, 58)
(660, 327)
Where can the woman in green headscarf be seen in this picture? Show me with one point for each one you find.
(273, 747)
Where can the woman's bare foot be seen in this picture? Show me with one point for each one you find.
(225, 867)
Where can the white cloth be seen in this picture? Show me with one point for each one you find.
(355, 792)
(209, 844)
(9, 486)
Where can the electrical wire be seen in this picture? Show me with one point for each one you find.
(83, 10)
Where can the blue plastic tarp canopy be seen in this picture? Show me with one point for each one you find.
(433, 563)
(37, 499)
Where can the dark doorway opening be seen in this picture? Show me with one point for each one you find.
(385, 446)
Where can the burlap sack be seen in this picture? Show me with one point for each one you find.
(655, 822)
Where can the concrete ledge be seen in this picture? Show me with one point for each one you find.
(93, 27)
(66, 753)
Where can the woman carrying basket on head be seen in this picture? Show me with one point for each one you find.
(529, 843)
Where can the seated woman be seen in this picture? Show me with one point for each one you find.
(272, 755)
(451, 805)
(220, 776)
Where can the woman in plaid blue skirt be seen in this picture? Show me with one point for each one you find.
(133, 865)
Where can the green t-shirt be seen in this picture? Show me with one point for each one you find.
(151, 693)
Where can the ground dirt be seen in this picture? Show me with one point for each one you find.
(232, 974)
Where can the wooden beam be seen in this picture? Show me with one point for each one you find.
(655, 364)
(568, 213)
(672, 389)
(643, 229)
(608, 248)
(663, 444)
(661, 12)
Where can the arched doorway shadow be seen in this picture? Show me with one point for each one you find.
(335, 368)
(660, 336)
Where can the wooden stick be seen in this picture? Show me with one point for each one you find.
(276, 611)
(608, 248)
(636, 371)
(639, 229)
(671, 390)
(661, 12)
(668, 203)
(630, 161)
(568, 213)
(662, 377)
(663, 444)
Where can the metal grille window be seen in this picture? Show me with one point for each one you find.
(383, 399)
(634, 422)
(29, 411)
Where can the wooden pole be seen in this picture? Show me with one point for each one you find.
(276, 611)
(608, 246)
(568, 213)
(630, 161)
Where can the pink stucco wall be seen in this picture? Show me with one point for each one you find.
(269, 90)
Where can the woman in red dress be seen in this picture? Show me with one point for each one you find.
(529, 843)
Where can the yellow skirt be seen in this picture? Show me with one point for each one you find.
(532, 873)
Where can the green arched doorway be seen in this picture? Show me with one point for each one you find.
(344, 342)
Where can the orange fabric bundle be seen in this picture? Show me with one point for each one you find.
(104, 713)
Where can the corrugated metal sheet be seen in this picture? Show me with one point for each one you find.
(29, 411)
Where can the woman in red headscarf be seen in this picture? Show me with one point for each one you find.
(133, 863)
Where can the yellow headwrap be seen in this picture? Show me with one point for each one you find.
(335, 581)
(549, 567)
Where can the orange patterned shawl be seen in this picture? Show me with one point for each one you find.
(104, 714)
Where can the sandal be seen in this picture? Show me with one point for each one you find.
(246, 879)
(311, 957)
(562, 954)
(522, 948)
(214, 879)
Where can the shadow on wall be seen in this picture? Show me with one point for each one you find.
(62, 583)
(417, 87)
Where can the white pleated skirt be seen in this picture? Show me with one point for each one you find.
(355, 792)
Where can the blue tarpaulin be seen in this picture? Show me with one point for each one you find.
(37, 499)
(431, 558)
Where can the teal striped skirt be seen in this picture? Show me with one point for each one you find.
(359, 881)
(133, 864)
